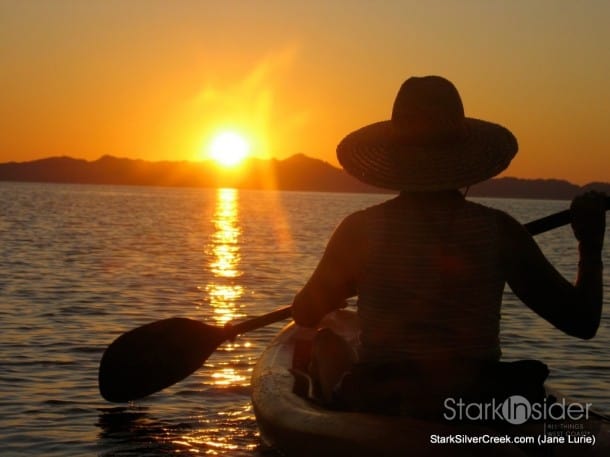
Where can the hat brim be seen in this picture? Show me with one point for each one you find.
(379, 154)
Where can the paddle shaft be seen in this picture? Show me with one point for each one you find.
(260, 321)
(553, 221)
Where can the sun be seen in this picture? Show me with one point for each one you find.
(229, 149)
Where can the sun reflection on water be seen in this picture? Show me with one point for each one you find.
(224, 432)
(223, 291)
(229, 376)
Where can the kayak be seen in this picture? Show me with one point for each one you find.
(297, 426)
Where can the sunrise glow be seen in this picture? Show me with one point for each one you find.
(228, 149)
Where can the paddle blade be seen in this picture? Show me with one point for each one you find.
(154, 356)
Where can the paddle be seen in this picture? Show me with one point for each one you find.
(553, 221)
(154, 356)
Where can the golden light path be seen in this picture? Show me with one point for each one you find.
(224, 293)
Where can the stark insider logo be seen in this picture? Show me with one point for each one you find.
(515, 410)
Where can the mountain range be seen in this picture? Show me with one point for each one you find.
(298, 172)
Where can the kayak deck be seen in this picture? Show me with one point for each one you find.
(299, 427)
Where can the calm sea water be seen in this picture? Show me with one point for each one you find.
(79, 265)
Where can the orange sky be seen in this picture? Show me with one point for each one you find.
(156, 79)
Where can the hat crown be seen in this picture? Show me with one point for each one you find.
(429, 110)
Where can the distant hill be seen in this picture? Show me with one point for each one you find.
(544, 189)
(298, 172)
(554, 189)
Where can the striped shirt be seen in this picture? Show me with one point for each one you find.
(432, 283)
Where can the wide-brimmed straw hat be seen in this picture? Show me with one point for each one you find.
(429, 144)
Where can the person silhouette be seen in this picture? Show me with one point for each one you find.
(429, 267)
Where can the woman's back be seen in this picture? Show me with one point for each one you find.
(432, 280)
